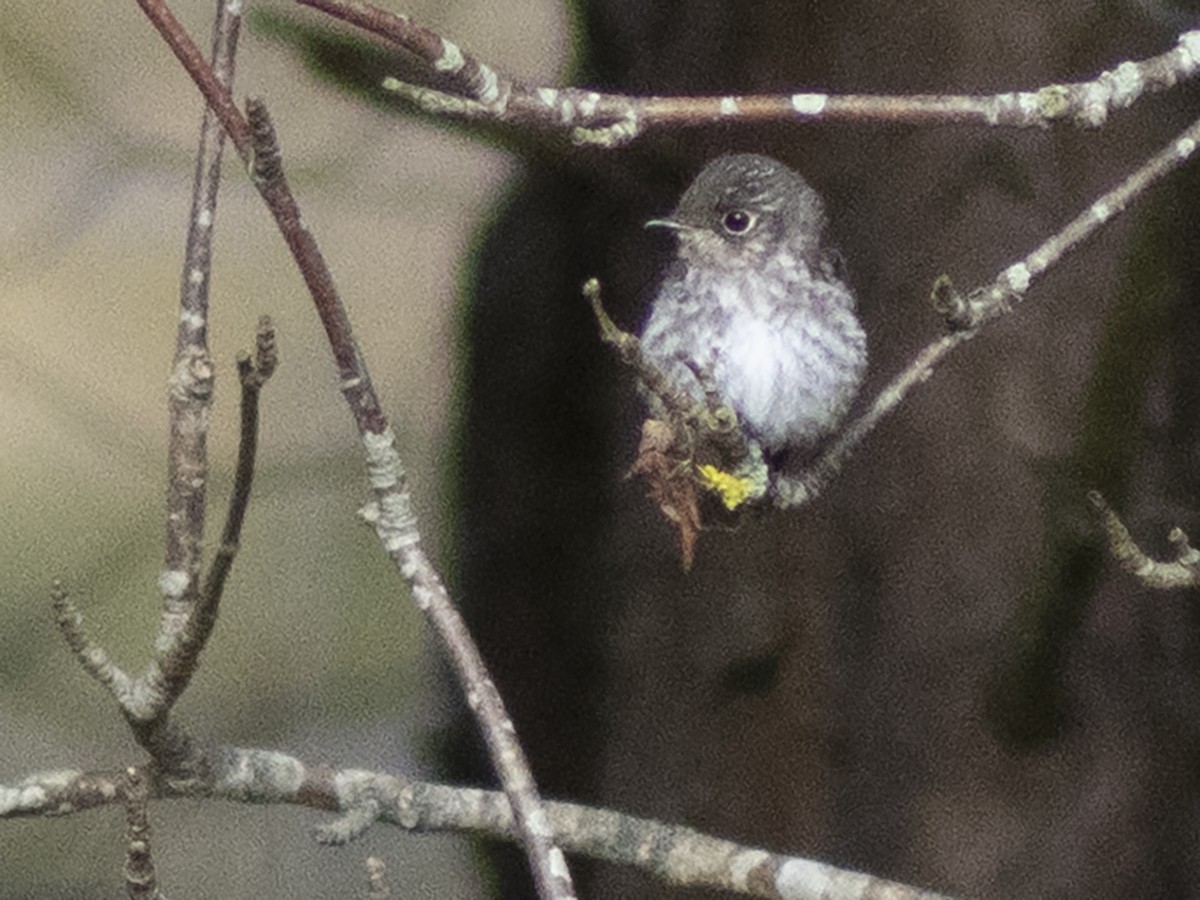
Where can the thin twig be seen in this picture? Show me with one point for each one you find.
(665, 400)
(675, 854)
(394, 521)
(149, 699)
(981, 306)
(191, 383)
(253, 374)
(467, 75)
(141, 882)
(216, 95)
(146, 701)
(476, 91)
(377, 879)
(94, 658)
(1181, 572)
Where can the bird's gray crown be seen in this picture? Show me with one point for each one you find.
(750, 205)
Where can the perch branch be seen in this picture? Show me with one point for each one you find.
(966, 315)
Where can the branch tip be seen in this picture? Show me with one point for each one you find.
(1181, 572)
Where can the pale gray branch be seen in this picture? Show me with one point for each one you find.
(679, 856)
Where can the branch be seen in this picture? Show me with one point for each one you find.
(475, 90)
(253, 374)
(680, 856)
(391, 512)
(192, 371)
(141, 882)
(965, 316)
(395, 523)
(146, 701)
(686, 448)
(187, 617)
(671, 436)
(1181, 572)
(190, 402)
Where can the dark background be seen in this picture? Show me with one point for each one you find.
(932, 674)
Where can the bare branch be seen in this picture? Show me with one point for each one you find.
(967, 315)
(474, 81)
(395, 523)
(1181, 572)
(191, 383)
(94, 659)
(476, 91)
(60, 792)
(256, 142)
(680, 856)
(141, 882)
(253, 373)
(377, 879)
(216, 95)
(146, 701)
(686, 447)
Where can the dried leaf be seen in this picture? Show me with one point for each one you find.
(670, 484)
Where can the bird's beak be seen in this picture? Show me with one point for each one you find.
(666, 223)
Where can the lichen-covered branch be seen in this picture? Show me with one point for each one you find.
(395, 523)
(1168, 575)
(191, 390)
(680, 856)
(146, 701)
(141, 881)
(967, 314)
(471, 89)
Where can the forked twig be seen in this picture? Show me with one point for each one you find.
(391, 511)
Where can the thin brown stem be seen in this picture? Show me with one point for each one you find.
(253, 374)
(216, 95)
(395, 523)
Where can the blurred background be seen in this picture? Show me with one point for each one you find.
(932, 674)
(320, 651)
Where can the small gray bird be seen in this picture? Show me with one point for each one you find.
(758, 302)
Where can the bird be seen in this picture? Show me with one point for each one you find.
(758, 305)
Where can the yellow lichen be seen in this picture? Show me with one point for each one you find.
(732, 489)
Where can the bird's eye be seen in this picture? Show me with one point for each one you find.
(737, 221)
